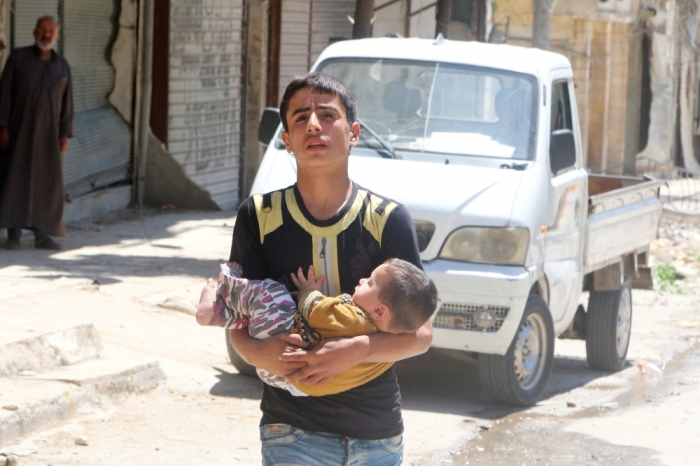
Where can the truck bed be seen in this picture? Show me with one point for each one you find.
(623, 217)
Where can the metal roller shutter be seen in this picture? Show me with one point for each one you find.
(204, 129)
(330, 21)
(100, 152)
(26, 12)
(307, 28)
(295, 41)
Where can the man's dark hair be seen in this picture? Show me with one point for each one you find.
(410, 295)
(322, 84)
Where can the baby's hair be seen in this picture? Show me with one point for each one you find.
(410, 295)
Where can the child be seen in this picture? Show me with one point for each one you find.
(398, 297)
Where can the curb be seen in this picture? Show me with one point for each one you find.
(70, 391)
(50, 350)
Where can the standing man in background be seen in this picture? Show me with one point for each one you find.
(36, 120)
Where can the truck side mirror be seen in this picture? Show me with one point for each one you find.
(562, 150)
(269, 122)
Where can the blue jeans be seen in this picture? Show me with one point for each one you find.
(284, 445)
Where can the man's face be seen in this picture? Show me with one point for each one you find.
(46, 34)
(319, 134)
(366, 295)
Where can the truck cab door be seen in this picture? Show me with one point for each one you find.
(567, 204)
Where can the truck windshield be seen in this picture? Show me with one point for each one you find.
(443, 108)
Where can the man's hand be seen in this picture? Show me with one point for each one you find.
(63, 144)
(308, 283)
(4, 137)
(336, 355)
(265, 354)
(328, 359)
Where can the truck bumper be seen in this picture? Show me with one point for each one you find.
(466, 289)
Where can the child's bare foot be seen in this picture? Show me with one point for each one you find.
(206, 302)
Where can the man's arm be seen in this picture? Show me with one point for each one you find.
(247, 251)
(65, 129)
(6, 101)
(333, 356)
(266, 354)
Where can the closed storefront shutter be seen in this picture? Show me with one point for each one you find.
(330, 23)
(308, 27)
(295, 41)
(204, 99)
(26, 12)
(100, 152)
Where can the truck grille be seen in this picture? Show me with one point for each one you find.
(457, 316)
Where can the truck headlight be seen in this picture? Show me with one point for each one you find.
(504, 246)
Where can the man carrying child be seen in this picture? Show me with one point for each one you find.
(344, 231)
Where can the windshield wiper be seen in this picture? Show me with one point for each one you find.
(515, 166)
(389, 152)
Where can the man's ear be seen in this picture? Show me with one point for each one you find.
(354, 133)
(285, 139)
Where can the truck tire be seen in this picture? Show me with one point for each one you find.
(519, 377)
(243, 367)
(608, 328)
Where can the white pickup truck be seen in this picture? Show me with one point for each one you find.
(481, 142)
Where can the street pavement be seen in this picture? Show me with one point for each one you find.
(136, 278)
(123, 375)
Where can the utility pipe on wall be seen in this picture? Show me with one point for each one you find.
(542, 11)
(364, 11)
(142, 112)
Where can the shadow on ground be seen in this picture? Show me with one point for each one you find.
(436, 382)
(235, 385)
(134, 245)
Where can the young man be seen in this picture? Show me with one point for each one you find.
(344, 231)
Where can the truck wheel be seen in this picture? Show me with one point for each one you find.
(243, 367)
(519, 377)
(608, 328)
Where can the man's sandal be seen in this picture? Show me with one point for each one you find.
(49, 244)
(12, 244)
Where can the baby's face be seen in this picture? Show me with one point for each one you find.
(367, 291)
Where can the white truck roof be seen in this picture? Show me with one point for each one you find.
(501, 56)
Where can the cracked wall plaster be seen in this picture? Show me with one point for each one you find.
(124, 61)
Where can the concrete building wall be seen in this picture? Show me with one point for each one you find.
(123, 57)
(411, 18)
(601, 40)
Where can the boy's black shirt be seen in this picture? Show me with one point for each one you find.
(373, 410)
